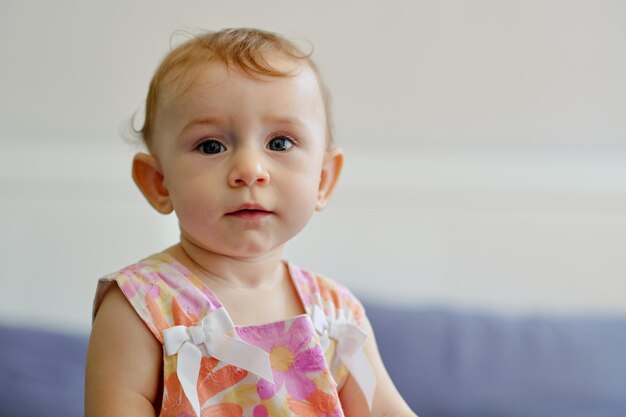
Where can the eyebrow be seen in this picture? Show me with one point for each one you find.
(211, 120)
(214, 120)
(287, 120)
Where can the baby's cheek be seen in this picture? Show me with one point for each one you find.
(303, 199)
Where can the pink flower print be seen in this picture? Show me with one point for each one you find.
(145, 284)
(291, 357)
(171, 279)
(130, 287)
(191, 303)
(305, 281)
(260, 411)
(151, 284)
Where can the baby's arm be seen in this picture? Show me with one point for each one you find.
(123, 362)
(387, 401)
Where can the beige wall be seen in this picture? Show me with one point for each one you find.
(486, 147)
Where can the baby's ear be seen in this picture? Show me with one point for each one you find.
(331, 170)
(149, 178)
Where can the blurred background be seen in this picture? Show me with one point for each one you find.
(485, 143)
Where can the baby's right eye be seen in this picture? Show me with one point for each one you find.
(211, 147)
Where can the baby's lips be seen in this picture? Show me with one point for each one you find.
(250, 207)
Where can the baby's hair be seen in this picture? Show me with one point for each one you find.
(246, 49)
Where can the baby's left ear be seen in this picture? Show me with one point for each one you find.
(333, 162)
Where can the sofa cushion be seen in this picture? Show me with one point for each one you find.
(453, 363)
(41, 373)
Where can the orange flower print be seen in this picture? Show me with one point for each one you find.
(210, 382)
(320, 404)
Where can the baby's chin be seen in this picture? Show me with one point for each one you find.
(244, 249)
(252, 252)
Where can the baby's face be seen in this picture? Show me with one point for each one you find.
(242, 158)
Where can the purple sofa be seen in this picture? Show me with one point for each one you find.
(446, 363)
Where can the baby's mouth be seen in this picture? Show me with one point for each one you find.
(249, 211)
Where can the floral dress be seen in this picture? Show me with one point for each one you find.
(211, 367)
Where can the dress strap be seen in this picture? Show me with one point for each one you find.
(162, 292)
(336, 315)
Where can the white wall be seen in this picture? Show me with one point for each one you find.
(486, 147)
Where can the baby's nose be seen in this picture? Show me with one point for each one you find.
(247, 170)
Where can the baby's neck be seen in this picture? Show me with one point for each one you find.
(259, 272)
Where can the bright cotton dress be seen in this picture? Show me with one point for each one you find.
(213, 368)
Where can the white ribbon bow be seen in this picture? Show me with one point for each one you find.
(350, 341)
(211, 332)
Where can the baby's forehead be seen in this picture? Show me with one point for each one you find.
(207, 84)
(214, 72)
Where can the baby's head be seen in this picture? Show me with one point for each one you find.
(252, 51)
(238, 129)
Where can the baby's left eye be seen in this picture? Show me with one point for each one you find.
(280, 143)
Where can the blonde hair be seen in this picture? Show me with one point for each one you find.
(246, 49)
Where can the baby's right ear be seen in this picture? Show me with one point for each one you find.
(149, 178)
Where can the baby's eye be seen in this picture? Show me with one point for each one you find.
(211, 147)
(280, 143)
